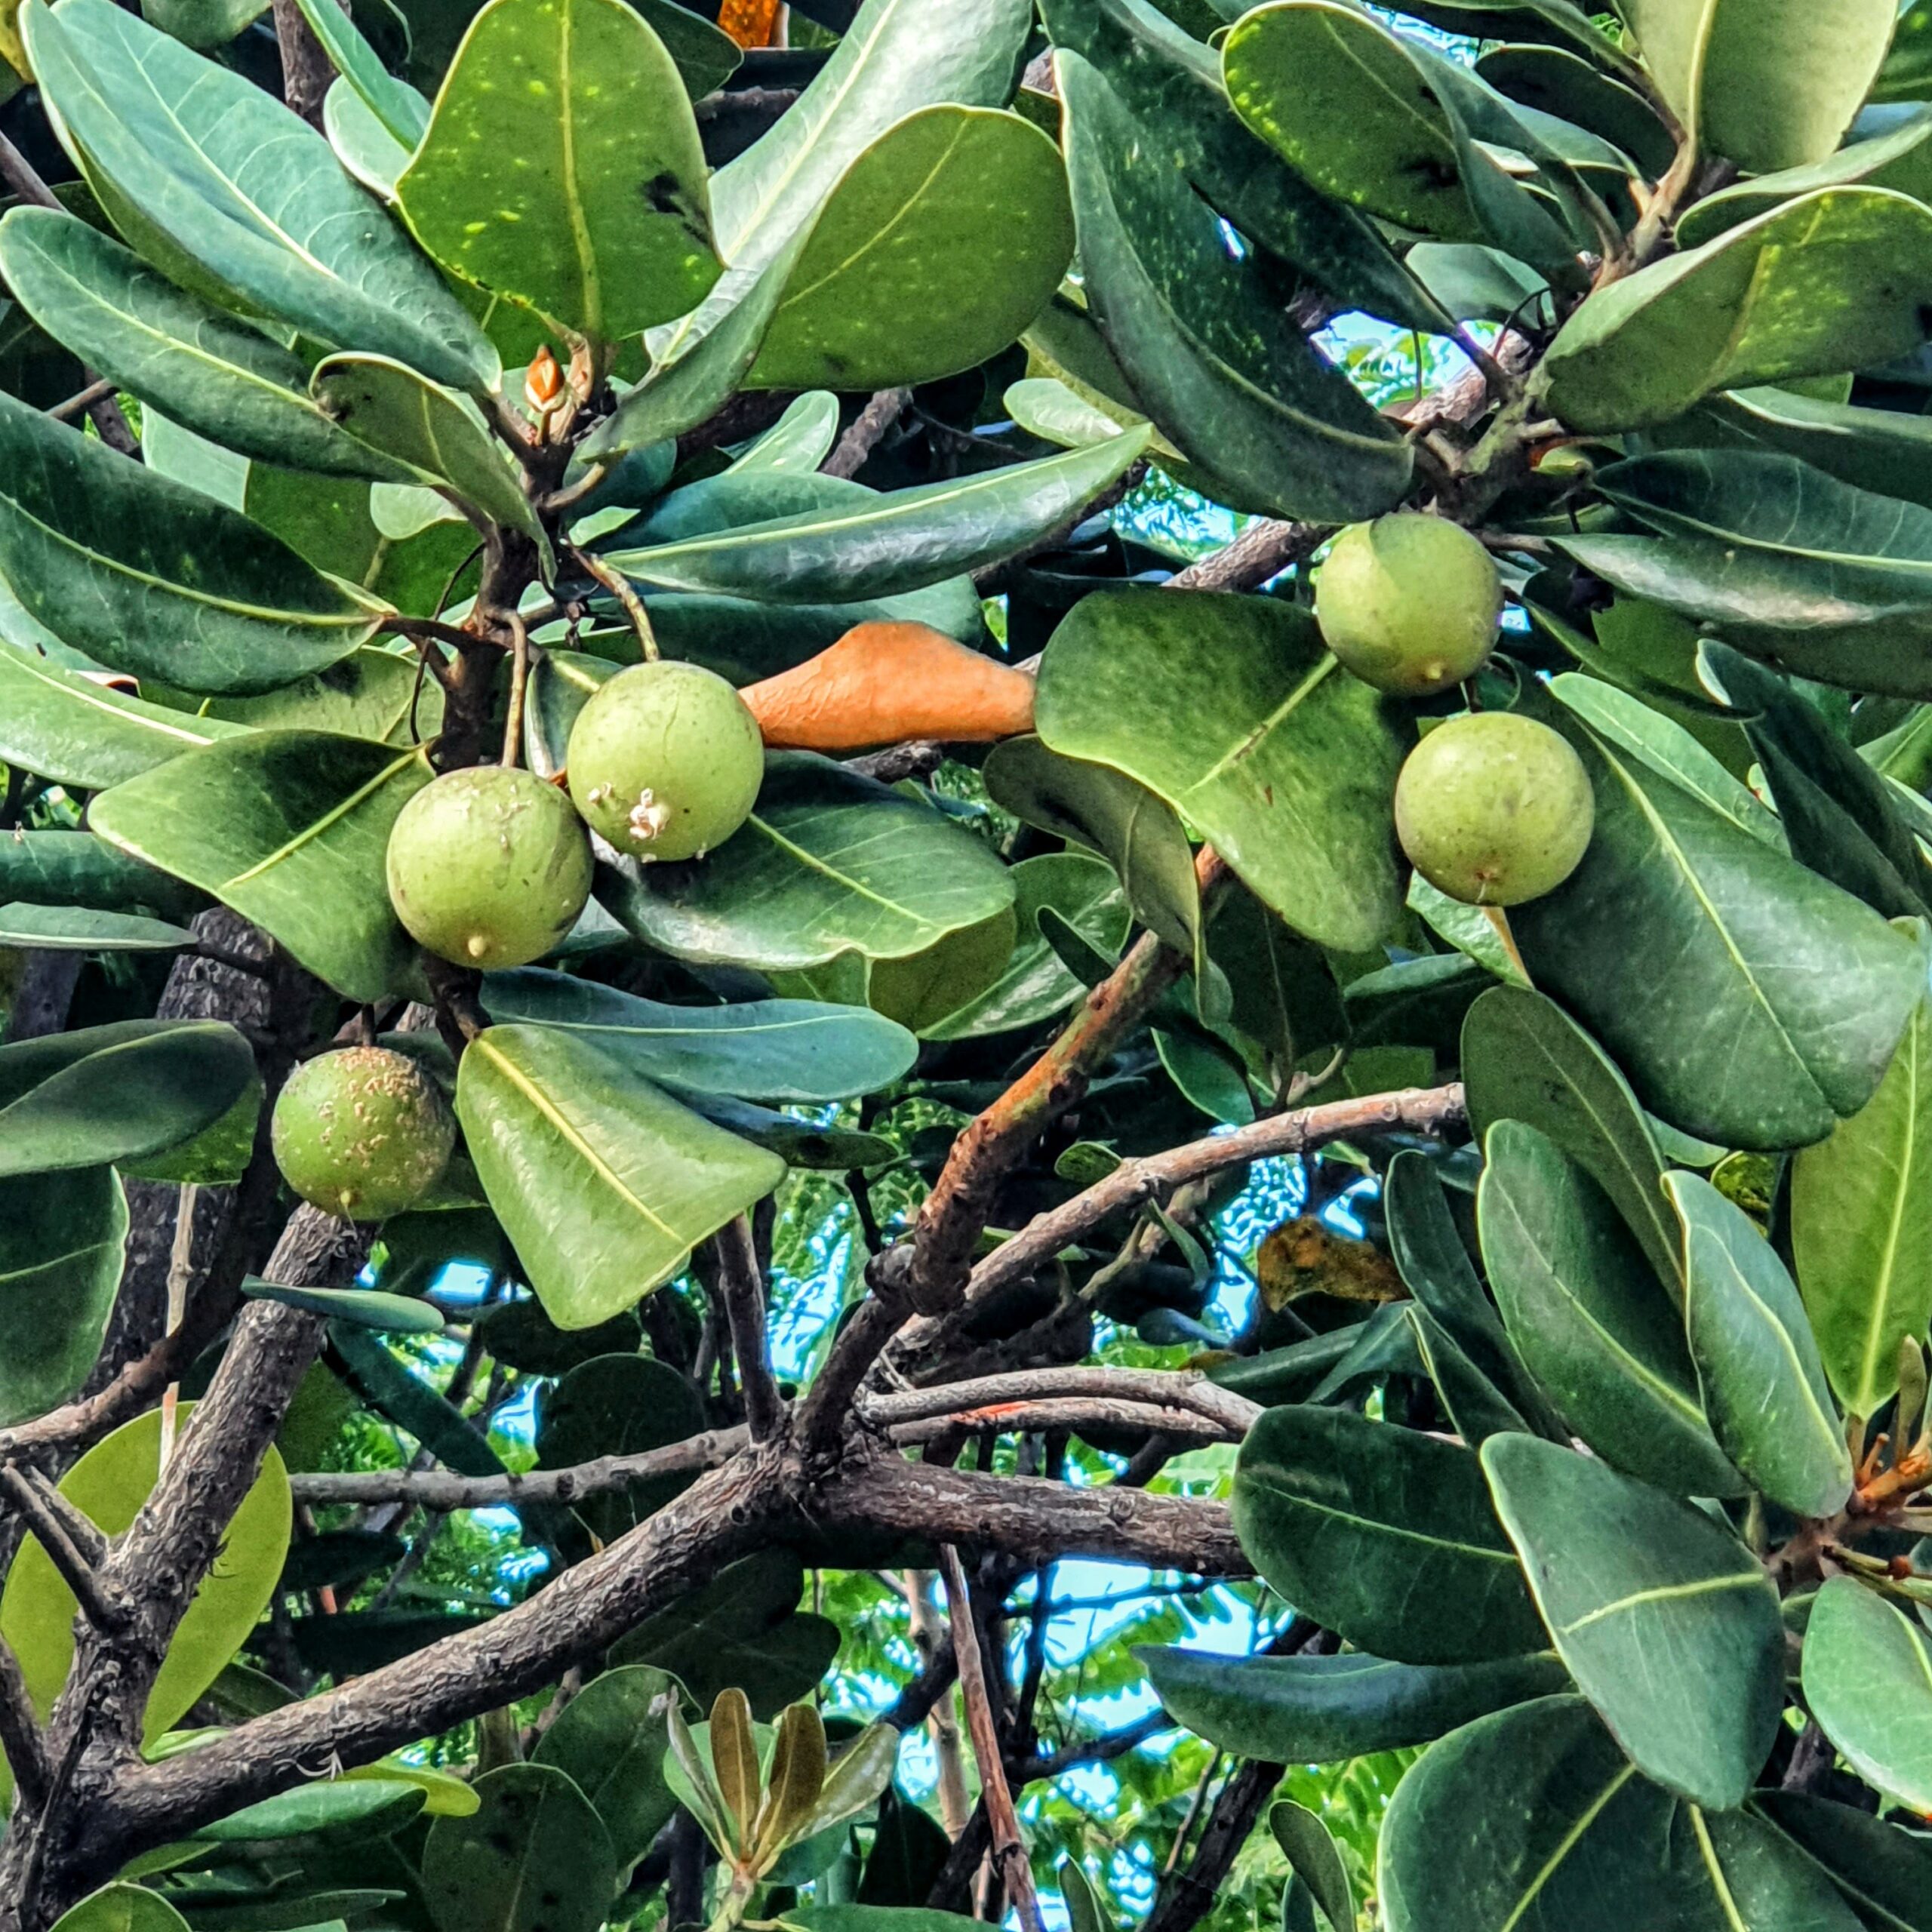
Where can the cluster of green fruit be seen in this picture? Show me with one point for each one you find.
(489, 867)
(1492, 807)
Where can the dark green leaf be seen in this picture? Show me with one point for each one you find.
(1666, 1621)
(1884, 1871)
(228, 192)
(403, 112)
(618, 1405)
(386, 1385)
(61, 1237)
(1315, 1859)
(1322, 1709)
(1229, 379)
(142, 572)
(612, 1742)
(115, 1093)
(1763, 1386)
(1231, 708)
(1382, 1534)
(363, 1308)
(79, 929)
(289, 828)
(534, 1858)
(1597, 1327)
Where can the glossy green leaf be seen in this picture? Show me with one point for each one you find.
(933, 250)
(289, 828)
(1883, 1871)
(1231, 381)
(117, 1092)
(1762, 82)
(901, 540)
(1835, 280)
(1819, 577)
(1381, 121)
(1382, 1534)
(610, 1742)
(109, 1484)
(1315, 1859)
(433, 432)
(370, 153)
(61, 1238)
(828, 863)
(70, 729)
(121, 1908)
(1868, 1679)
(1534, 1821)
(385, 1384)
(1322, 1709)
(371, 693)
(1861, 1227)
(1170, 83)
(1034, 985)
(1232, 710)
(1475, 1405)
(1138, 833)
(177, 353)
(1668, 1623)
(535, 1857)
(402, 112)
(603, 1183)
(365, 1308)
(225, 190)
(1572, 87)
(77, 868)
(1598, 1330)
(618, 1405)
(766, 1050)
(798, 441)
(1764, 1385)
(142, 572)
(1750, 1001)
(81, 929)
(563, 125)
(887, 64)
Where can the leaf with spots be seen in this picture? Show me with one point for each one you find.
(533, 1857)
(562, 169)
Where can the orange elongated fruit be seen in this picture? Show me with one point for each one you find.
(884, 683)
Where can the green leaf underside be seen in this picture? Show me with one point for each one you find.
(61, 1238)
(147, 575)
(828, 863)
(1667, 1623)
(289, 828)
(1231, 708)
(1868, 1679)
(602, 1181)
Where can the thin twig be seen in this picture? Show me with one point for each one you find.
(619, 586)
(84, 399)
(52, 1534)
(867, 431)
(1009, 1847)
(519, 683)
(737, 1284)
(20, 1734)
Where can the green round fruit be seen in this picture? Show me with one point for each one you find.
(1493, 809)
(488, 866)
(1409, 603)
(363, 1133)
(665, 761)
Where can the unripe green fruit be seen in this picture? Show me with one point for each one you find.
(665, 761)
(1494, 808)
(363, 1133)
(1410, 603)
(488, 866)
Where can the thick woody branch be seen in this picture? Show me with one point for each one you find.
(1263, 550)
(19, 1734)
(1418, 1109)
(736, 1280)
(1177, 1392)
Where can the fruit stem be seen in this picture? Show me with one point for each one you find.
(519, 685)
(621, 590)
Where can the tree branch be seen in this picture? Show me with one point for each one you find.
(1186, 1392)
(735, 1281)
(1009, 1847)
(19, 1734)
(1263, 550)
(1420, 1109)
(50, 1533)
(867, 431)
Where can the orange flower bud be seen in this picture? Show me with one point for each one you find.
(543, 381)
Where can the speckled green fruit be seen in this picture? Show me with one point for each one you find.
(665, 761)
(1410, 603)
(363, 1133)
(1493, 809)
(488, 866)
